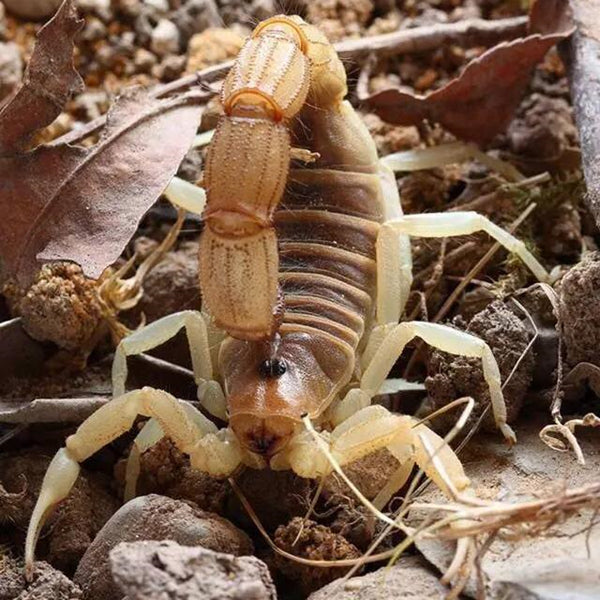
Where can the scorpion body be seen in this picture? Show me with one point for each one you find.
(305, 268)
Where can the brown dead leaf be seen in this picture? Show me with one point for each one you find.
(50, 80)
(548, 17)
(83, 204)
(478, 104)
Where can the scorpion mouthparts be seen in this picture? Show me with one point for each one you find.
(262, 436)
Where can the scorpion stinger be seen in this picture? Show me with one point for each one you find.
(246, 172)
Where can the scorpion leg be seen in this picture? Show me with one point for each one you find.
(208, 448)
(464, 223)
(448, 340)
(186, 195)
(313, 455)
(210, 393)
(150, 434)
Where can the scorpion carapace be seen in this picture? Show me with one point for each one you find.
(284, 61)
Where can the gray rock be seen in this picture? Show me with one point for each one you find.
(409, 578)
(154, 517)
(47, 583)
(165, 38)
(195, 16)
(11, 68)
(168, 571)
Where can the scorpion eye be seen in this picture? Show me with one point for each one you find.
(274, 368)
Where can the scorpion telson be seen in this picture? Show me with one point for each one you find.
(314, 259)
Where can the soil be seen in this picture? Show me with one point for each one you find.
(188, 535)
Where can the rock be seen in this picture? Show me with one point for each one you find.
(160, 570)
(47, 583)
(543, 127)
(154, 518)
(32, 9)
(529, 471)
(212, 46)
(165, 38)
(244, 11)
(11, 68)
(100, 8)
(170, 68)
(194, 16)
(74, 524)
(409, 578)
(144, 60)
(315, 542)
(579, 305)
(451, 377)
(339, 18)
(563, 579)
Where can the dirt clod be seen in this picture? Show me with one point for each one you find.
(159, 570)
(451, 377)
(580, 310)
(154, 518)
(543, 127)
(47, 583)
(165, 470)
(61, 306)
(316, 542)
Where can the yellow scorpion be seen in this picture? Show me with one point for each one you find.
(305, 267)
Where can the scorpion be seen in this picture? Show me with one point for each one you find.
(305, 270)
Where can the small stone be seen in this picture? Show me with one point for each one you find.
(159, 570)
(170, 68)
(158, 6)
(144, 60)
(165, 38)
(32, 9)
(212, 46)
(11, 68)
(408, 578)
(100, 8)
(94, 30)
(195, 15)
(154, 518)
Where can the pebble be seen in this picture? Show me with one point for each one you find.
(159, 570)
(165, 38)
(154, 517)
(11, 68)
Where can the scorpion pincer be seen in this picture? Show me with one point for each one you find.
(305, 268)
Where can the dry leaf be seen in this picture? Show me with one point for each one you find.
(84, 204)
(478, 104)
(50, 80)
(548, 17)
